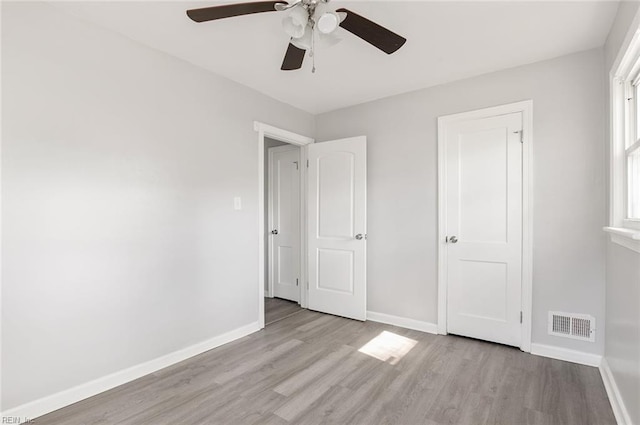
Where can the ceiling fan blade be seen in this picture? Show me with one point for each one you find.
(293, 58)
(380, 37)
(229, 10)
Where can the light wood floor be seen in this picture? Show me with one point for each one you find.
(306, 369)
(277, 309)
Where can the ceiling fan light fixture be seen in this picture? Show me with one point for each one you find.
(327, 40)
(309, 24)
(303, 42)
(295, 23)
(328, 22)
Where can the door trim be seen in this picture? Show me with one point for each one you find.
(265, 130)
(301, 193)
(526, 109)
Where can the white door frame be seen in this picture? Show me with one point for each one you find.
(526, 108)
(265, 130)
(301, 194)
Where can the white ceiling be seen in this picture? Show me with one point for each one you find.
(447, 41)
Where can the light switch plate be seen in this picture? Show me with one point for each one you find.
(237, 203)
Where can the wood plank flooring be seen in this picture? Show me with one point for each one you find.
(277, 309)
(307, 369)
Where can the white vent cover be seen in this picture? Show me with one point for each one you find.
(571, 325)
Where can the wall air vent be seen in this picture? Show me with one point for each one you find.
(571, 325)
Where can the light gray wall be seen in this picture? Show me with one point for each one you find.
(268, 143)
(119, 168)
(569, 187)
(622, 349)
(622, 323)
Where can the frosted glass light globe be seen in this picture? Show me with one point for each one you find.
(295, 23)
(328, 22)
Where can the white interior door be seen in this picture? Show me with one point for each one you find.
(484, 228)
(337, 227)
(284, 201)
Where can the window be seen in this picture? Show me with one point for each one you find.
(625, 147)
(632, 146)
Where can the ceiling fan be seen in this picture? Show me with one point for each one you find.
(308, 22)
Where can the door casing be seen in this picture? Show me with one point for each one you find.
(526, 109)
(265, 130)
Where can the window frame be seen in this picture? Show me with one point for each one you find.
(625, 140)
(631, 140)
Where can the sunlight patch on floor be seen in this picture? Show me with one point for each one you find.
(387, 346)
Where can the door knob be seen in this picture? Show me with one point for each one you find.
(360, 236)
(274, 232)
(451, 239)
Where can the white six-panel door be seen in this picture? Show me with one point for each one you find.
(337, 227)
(284, 217)
(484, 228)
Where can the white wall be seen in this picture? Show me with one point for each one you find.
(622, 323)
(569, 187)
(119, 168)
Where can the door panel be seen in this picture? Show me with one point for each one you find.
(335, 270)
(335, 193)
(485, 290)
(337, 214)
(284, 187)
(484, 213)
(483, 178)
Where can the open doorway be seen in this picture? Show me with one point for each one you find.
(332, 219)
(269, 137)
(283, 190)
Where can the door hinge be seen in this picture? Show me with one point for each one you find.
(307, 163)
(296, 281)
(520, 317)
(521, 135)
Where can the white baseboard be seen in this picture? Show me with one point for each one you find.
(64, 398)
(403, 322)
(617, 404)
(565, 354)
